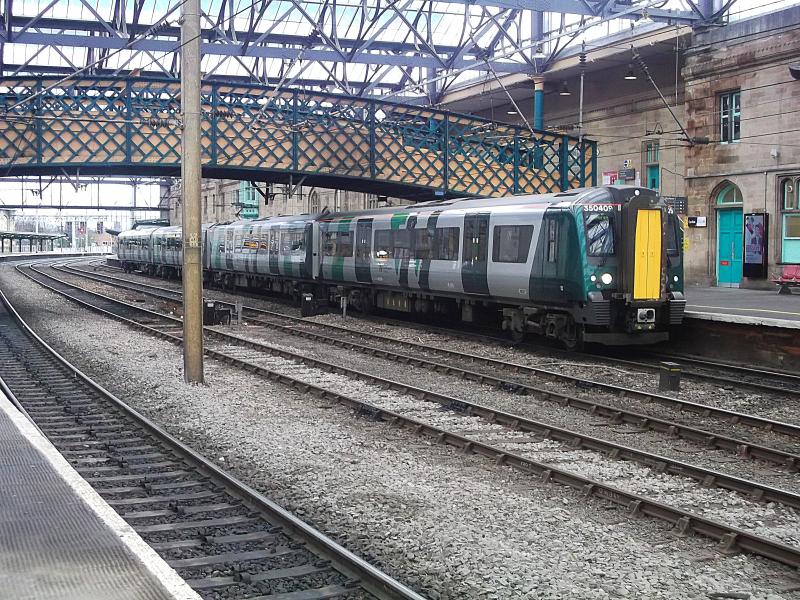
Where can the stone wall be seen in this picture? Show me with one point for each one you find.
(753, 57)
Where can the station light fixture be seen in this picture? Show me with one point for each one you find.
(564, 91)
(630, 75)
(539, 52)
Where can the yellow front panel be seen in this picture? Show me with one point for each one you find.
(647, 256)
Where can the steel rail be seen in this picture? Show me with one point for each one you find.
(732, 539)
(614, 412)
(624, 392)
(372, 579)
(657, 462)
(745, 370)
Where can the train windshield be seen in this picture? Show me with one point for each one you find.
(599, 233)
(673, 235)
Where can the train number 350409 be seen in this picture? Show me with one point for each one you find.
(599, 207)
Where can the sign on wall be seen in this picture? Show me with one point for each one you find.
(627, 174)
(609, 177)
(697, 221)
(755, 245)
(679, 204)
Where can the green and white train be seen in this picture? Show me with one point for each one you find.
(597, 264)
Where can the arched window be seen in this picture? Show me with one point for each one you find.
(790, 219)
(313, 202)
(729, 194)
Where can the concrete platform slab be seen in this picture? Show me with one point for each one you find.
(744, 306)
(59, 539)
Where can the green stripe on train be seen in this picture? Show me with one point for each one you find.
(337, 268)
(399, 220)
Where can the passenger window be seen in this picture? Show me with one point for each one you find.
(402, 243)
(423, 242)
(338, 243)
(552, 240)
(511, 243)
(384, 247)
(445, 243)
(599, 233)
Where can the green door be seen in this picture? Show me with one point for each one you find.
(729, 247)
(653, 177)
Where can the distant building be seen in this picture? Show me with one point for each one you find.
(228, 200)
(6, 220)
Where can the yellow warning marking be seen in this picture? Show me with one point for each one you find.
(647, 255)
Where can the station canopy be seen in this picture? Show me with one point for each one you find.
(405, 50)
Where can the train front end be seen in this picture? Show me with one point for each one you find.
(633, 267)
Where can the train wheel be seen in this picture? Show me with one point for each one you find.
(572, 337)
(516, 336)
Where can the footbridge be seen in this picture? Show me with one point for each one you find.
(132, 126)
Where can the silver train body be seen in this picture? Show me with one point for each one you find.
(596, 264)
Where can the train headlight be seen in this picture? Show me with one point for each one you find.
(606, 278)
(593, 278)
(675, 279)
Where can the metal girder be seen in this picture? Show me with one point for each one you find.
(281, 52)
(358, 46)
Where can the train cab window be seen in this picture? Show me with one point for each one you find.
(599, 233)
(338, 243)
(384, 247)
(673, 235)
(511, 243)
(446, 243)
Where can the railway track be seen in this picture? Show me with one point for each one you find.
(520, 378)
(224, 538)
(270, 362)
(722, 373)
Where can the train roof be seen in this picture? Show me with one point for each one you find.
(576, 196)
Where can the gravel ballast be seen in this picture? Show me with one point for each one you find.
(451, 526)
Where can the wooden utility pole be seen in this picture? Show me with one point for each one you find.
(191, 174)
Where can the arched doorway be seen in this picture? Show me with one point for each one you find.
(728, 202)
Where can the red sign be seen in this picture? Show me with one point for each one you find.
(724, 263)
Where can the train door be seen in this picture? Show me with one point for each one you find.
(363, 250)
(476, 249)
(274, 241)
(558, 253)
(647, 255)
(314, 250)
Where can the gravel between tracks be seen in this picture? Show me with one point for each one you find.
(453, 527)
(773, 406)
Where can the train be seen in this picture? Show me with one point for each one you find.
(591, 265)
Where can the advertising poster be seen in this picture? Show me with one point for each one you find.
(755, 245)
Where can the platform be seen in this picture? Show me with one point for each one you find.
(59, 540)
(744, 306)
(16, 256)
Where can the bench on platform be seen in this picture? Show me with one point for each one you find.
(790, 277)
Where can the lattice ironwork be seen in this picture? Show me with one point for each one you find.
(132, 126)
